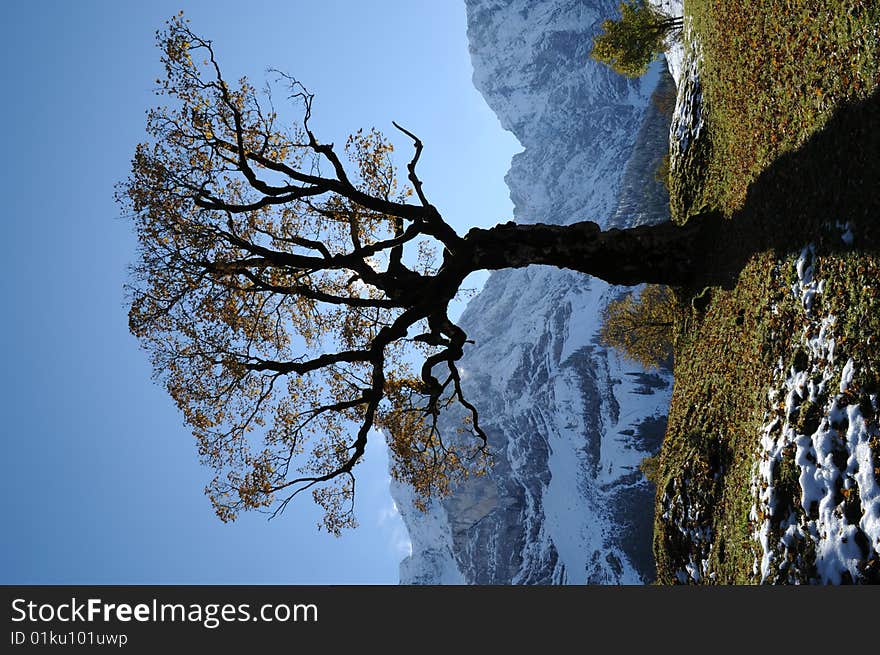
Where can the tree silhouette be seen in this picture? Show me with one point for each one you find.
(293, 302)
(632, 42)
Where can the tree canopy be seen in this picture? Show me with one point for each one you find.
(641, 327)
(293, 300)
(632, 42)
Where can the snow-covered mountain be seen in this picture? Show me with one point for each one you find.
(568, 421)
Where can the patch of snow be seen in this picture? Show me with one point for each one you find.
(683, 58)
(675, 51)
(685, 513)
(687, 119)
(832, 452)
(846, 377)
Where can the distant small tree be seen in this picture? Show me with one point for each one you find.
(650, 468)
(641, 326)
(631, 43)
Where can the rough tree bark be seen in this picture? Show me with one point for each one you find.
(660, 254)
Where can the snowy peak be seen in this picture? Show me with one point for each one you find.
(573, 116)
(521, 50)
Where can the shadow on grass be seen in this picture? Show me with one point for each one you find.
(804, 197)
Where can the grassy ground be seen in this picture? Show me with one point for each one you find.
(790, 154)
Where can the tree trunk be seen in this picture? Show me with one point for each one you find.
(661, 254)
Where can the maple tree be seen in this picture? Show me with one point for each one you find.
(641, 326)
(294, 300)
(630, 43)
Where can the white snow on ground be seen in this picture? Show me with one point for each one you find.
(683, 56)
(686, 513)
(687, 121)
(835, 458)
(675, 50)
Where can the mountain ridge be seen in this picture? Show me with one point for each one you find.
(568, 420)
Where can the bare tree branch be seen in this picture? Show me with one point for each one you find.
(290, 314)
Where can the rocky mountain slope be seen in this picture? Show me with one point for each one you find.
(568, 420)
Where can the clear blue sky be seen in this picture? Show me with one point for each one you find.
(100, 479)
